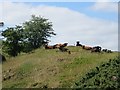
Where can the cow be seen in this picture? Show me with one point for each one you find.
(64, 50)
(61, 45)
(104, 50)
(2, 58)
(96, 49)
(78, 43)
(49, 47)
(109, 51)
(86, 47)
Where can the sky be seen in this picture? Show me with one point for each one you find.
(91, 23)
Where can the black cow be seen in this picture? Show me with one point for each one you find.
(64, 50)
(109, 51)
(104, 50)
(78, 43)
(96, 49)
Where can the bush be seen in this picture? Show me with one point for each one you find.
(107, 75)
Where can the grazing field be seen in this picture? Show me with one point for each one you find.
(51, 68)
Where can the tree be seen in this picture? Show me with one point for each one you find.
(12, 44)
(37, 31)
(31, 35)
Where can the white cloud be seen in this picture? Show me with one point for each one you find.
(69, 25)
(105, 6)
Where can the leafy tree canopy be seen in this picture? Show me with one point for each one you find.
(37, 31)
(31, 35)
(13, 39)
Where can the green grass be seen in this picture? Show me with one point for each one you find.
(52, 67)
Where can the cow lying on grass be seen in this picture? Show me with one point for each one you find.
(86, 47)
(104, 50)
(62, 49)
(49, 47)
(96, 49)
(60, 45)
(55, 46)
(107, 51)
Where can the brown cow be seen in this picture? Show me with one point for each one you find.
(49, 47)
(86, 47)
(60, 45)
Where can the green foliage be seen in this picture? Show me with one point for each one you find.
(0, 46)
(37, 31)
(31, 35)
(12, 44)
(107, 75)
(0, 43)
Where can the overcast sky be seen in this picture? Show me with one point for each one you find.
(91, 23)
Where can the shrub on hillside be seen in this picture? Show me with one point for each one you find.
(107, 75)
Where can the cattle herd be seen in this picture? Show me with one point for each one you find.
(93, 49)
(62, 48)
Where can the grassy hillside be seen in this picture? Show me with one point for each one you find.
(51, 68)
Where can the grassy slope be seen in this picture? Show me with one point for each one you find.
(51, 68)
